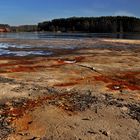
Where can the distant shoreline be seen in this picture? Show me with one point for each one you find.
(55, 35)
(104, 24)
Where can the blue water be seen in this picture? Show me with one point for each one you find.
(11, 49)
(37, 35)
(6, 51)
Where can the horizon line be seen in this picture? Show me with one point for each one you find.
(68, 18)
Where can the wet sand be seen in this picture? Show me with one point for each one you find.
(89, 92)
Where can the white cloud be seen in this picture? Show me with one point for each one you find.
(124, 13)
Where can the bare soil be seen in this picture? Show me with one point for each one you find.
(91, 92)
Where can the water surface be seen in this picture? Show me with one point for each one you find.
(13, 49)
(38, 35)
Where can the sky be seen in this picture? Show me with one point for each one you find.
(20, 12)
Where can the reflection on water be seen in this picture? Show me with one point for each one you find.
(37, 35)
(5, 50)
(9, 49)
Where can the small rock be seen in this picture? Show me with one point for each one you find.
(124, 109)
(86, 119)
(116, 87)
(23, 134)
(104, 132)
(91, 132)
(96, 110)
(8, 104)
(70, 61)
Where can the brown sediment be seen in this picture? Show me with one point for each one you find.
(103, 78)
(66, 84)
(25, 69)
(21, 69)
(15, 65)
(23, 93)
(127, 80)
(76, 59)
(23, 65)
(20, 66)
(61, 62)
(79, 58)
(7, 64)
(75, 81)
(28, 105)
(122, 85)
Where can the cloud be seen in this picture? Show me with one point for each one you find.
(124, 13)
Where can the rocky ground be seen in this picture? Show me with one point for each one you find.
(90, 92)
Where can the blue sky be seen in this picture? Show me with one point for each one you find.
(18, 12)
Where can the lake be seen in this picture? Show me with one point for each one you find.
(37, 35)
(28, 47)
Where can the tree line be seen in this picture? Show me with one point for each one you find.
(4, 26)
(24, 28)
(107, 24)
